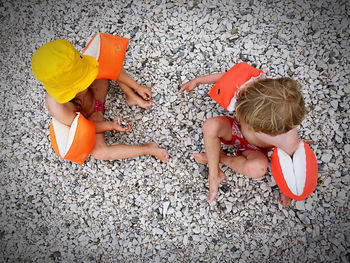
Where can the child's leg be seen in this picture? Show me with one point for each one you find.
(251, 163)
(245, 165)
(215, 129)
(135, 94)
(102, 151)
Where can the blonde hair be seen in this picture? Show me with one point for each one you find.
(271, 106)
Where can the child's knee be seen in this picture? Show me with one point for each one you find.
(256, 168)
(99, 152)
(211, 126)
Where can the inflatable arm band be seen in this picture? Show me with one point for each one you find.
(73, 143)
(297, 176)
(109, 51)
(239, 76)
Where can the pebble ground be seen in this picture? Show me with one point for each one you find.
(141, 210)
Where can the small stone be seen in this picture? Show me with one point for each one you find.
(56, 256)
(201, 249)
(300, 205)
(326, 157)
(73, 207)
(168, 188)
(165, 207)
(334, 104)
(95, 214)
(157, 231)
(278, 243)
(248, 44)
(347, 148)
(304, 218)
(347, 89)
(297, 7)
(154, 223)
(185, 240)
(290, 15)
(138, 250)
(327, 181)
(164, 62)
(196, 230)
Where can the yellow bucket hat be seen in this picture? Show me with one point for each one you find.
(63, 71)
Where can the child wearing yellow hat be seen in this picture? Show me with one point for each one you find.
(78, 83)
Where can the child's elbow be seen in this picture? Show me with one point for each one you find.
(50, 104)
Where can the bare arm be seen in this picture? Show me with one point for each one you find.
(103, 126)
(64, 112)
(206, 79)
(289, 141)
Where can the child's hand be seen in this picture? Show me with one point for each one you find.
(189, 86)
(144, 92)
(122, 125)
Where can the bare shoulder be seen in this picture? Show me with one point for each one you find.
(288, 141)
(63, 112)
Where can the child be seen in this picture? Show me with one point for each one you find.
(267, 114)
(69, 79)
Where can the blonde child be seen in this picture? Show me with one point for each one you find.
(69, 79)
(267, 114)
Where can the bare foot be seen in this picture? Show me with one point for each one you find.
(214, 184)
(139, 101)
(157, 152)
(202, 157)
(284, 200)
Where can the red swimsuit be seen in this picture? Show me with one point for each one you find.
(99, 106)
(238, 140)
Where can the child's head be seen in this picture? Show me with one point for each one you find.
(63, 71)
(271, 106)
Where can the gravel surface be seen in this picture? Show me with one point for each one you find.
(141, 210)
